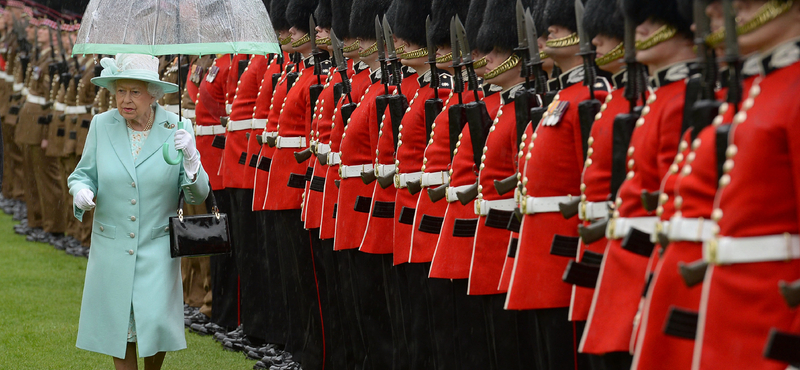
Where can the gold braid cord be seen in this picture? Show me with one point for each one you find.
(504, 67)
(323, 41)
(445, 58)
(543, 55)
(286, 41)
(369, 51)
(769, 11)
(419, 53)
(306, 38)
(400, 50)
(480, 63)
(616, 53)
(662, 34)
(353, 47)
(563, 42)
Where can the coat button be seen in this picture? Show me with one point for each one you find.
(132, 235)
(133, 218)
(133, 184)
(102, 228)
(133, 201)
(130, 251)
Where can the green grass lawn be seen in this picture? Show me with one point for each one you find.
(40, 298)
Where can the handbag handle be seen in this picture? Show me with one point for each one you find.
(182, 201)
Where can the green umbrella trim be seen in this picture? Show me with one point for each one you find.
(258, 48)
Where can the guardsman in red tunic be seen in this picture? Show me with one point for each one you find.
(756, 245)
(550, 175)
(664, 43)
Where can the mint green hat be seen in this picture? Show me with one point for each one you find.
(132, 67)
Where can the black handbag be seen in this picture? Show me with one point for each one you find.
(200, 235)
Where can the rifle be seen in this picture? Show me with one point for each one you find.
(398, 103)
(314, 90)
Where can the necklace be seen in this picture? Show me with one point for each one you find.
(149, 124)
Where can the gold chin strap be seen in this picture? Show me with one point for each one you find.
(306, 38)
(480, 63)
(616, 53)
(662, 34)
(543, 55)
(504, 67)
(369, 51)
(323, 41)
(353, 47)
(400, 50)
(419, 53)
(286, 41)
(769, 11)
(563, 42)
(445, 58)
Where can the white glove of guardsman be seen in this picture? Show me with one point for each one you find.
(83, 199)
(191, 160)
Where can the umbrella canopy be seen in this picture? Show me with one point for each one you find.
(161, 27)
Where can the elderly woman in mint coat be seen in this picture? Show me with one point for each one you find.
(132, 293)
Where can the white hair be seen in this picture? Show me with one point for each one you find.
(153, 89)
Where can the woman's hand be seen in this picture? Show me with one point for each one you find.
(191, 161)
(83, 199)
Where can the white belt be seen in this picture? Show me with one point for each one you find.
(244, 124)
(382, 170)
(59, 106)
(590, 211)
(290, 142)
(435, 178)
(401, 180)
(95, 111)
(323, 148)
(171, 108)
(80, 109)
(619, 227)
(3, 75)
(482, 206)
(228, 108)
(18, 86)
(259, 123)
(270, 134)
(726, 250)
(690, 229)
(37, 100)
(189, 113)
(9, 78)
(208, 130)
(334, 158)
(533, 205)
(347, 172)
(452, 192)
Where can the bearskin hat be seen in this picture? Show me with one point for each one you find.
(277, 14)
(340, 17)
(443, 11)
(322, 15)
(604, 17)
(499, 28)
(298, 12)
(362, 17)
(560, 13)
(408, 20)
(666, 11)
(474, 21)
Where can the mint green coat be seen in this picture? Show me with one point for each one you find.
(129, 261)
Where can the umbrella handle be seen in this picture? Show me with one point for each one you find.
(165, 150)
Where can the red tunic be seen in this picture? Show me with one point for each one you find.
(410, 151)
(381, 217)
(209, 108)
(287, 177)
(452, 256)
(759, 197)
(553, 168)
(358, 145)
(235, 154)
(597, 179)
(359, 81)
(623, 274)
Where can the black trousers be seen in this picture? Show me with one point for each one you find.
(472, 339)
(224, 275)
(608, 361)
(304, 339)
(441, 298)
(397, 295)
(369, 283)
(325, 267)
(349, 308)
(417, 317)
(556, 339)
(502, 327)
(274, 317)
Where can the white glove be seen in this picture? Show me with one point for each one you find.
(83, 199)
(191, 161)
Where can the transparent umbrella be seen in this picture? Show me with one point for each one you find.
(165, 27)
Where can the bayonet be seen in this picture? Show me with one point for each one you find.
(312, 30)
(458, 79)
(391, 55)
(381, 55)
(466, 58)
(433, 106)
(586, 50)
(535, 60)
(732, 55)
(522, 44)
